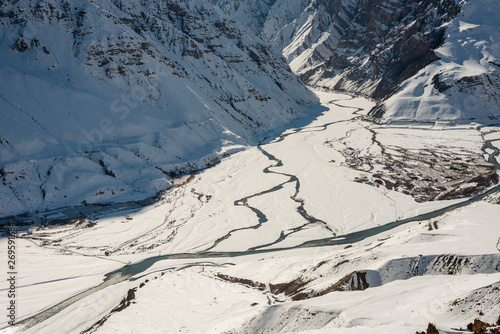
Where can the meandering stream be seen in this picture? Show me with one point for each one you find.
(262, 218)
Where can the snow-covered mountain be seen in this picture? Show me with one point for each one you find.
(307, 31)
(464, 82)
(102, 100)
(424, 60)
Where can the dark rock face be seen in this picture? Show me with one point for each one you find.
(480, 327)
(431, 329)
(385, 44)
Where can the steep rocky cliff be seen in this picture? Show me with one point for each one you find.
(102, 100)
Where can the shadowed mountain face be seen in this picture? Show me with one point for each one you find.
(108, 99)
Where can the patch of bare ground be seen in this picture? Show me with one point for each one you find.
(431, 329)
(355, 281)
(79, 222)
(293, 289)
(300, 287)
(297, 288)
(425, 174)
(243, 281)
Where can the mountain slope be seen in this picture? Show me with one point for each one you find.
(108, 99)
(306, 31)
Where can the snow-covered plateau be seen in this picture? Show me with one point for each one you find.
(279, 238)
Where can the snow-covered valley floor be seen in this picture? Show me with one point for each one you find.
(223, 244)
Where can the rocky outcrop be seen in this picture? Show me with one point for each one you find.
(20, 45)
(365, 46)
(306, 31)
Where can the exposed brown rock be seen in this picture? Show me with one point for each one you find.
(355, 281)
(478, 326)
(293, 288)
(431, 329)
(244, 281)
